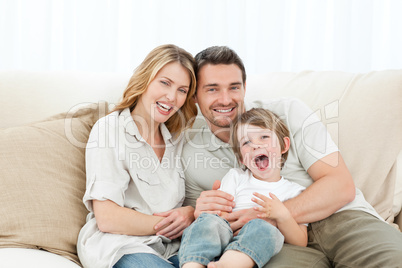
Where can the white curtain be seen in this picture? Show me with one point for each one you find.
(269, 35)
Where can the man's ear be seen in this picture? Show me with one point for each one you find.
(286, 141)
(195, 98)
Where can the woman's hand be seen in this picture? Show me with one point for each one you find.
(175, 221)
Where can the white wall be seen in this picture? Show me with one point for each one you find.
(270, 35)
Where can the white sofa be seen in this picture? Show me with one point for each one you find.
(42, 147)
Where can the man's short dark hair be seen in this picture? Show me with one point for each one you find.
(219, 55)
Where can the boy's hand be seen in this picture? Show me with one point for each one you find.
(271, 208)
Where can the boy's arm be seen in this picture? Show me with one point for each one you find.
(272, 208)
(295, 234)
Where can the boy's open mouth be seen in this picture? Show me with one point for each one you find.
(261, 161)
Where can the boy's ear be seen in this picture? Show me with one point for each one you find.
(286, 141)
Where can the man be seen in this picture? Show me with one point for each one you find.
(354, 236)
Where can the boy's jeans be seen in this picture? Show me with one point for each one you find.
(210, 235)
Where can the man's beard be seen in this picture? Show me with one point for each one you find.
(222, 123)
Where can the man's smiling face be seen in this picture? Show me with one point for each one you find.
(220, 94)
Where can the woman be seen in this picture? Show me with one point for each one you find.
(135, 183)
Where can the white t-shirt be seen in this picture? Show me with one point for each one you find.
(242, 184)
(123, 168)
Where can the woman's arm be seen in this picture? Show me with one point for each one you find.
(112, 218)
(175, 221)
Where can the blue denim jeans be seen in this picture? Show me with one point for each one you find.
(210, 236)
(145, 260)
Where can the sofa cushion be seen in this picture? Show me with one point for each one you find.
(43, 181)
(33, 258)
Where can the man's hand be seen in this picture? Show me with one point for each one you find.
(214, 201)
(175, 221)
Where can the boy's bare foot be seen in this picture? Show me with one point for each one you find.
(192, 265)
(213, 265)
(232, 259)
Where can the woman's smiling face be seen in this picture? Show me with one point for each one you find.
(165, 95)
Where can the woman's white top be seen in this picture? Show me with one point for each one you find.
(122, 167)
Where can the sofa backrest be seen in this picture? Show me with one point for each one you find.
(27, 96)
(362, 112)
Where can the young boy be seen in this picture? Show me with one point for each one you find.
(260, 142)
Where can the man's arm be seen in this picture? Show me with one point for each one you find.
(333, 188)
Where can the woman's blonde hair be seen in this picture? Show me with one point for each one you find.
(260, 118)
(146, 72)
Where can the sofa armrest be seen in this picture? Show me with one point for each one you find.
(34, 258)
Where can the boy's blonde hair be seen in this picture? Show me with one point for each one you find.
(262, 118)
(146, 72)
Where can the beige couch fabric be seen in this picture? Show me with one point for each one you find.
(43, 180)
(43, 166)
(27, 96)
